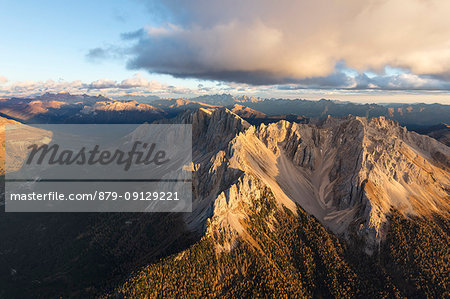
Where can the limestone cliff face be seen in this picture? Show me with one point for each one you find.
(348, 172)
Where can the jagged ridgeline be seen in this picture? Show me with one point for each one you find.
(344, 207)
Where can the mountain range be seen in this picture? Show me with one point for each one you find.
(291, 198)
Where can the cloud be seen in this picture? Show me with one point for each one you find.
(102, 84)
(342, 81)
(132, 35)
(25, 88)
(139, 81)
(136, 85)
(285, 42)
(3, 79)
(97, 54)
(401, 82)
(109, 52)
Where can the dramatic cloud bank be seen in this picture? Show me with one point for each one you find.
(298, 42)
(345, 78)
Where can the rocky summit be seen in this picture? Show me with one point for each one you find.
(347, 172)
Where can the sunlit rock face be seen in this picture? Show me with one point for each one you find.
(347, 172)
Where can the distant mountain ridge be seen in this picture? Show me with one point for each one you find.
(417, 114)
(414, 116)
(67, 108)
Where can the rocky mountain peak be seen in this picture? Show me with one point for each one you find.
(347, 172)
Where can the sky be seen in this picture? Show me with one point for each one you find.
(362, 51)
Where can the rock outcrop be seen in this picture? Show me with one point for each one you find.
(347, 172)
